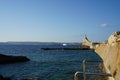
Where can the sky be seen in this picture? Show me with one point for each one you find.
(58, 20)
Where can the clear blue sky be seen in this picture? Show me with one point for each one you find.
(58, 20)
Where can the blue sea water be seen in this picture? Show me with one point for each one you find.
(45, 65)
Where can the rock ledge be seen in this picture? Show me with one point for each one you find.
(5, 59)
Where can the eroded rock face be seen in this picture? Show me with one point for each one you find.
(110, 53)
(115, 37)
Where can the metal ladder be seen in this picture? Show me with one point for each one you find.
(91, 67)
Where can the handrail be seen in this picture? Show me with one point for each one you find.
(100, 74)
(89, 73)
(84, 66)
(76, 75)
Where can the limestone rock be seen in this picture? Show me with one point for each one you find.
(115, 37)
(110, 53)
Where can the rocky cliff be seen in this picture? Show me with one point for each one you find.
(110, 53)
(87, 43)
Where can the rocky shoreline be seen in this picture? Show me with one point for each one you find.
(109, 51)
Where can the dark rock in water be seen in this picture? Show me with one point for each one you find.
(4, 78)
(4, 59)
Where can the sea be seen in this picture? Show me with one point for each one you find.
(45, 64)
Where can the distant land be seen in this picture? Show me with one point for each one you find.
(39, 43)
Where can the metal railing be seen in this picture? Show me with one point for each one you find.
(92, 67)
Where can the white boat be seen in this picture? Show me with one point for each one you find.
(64, 44)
